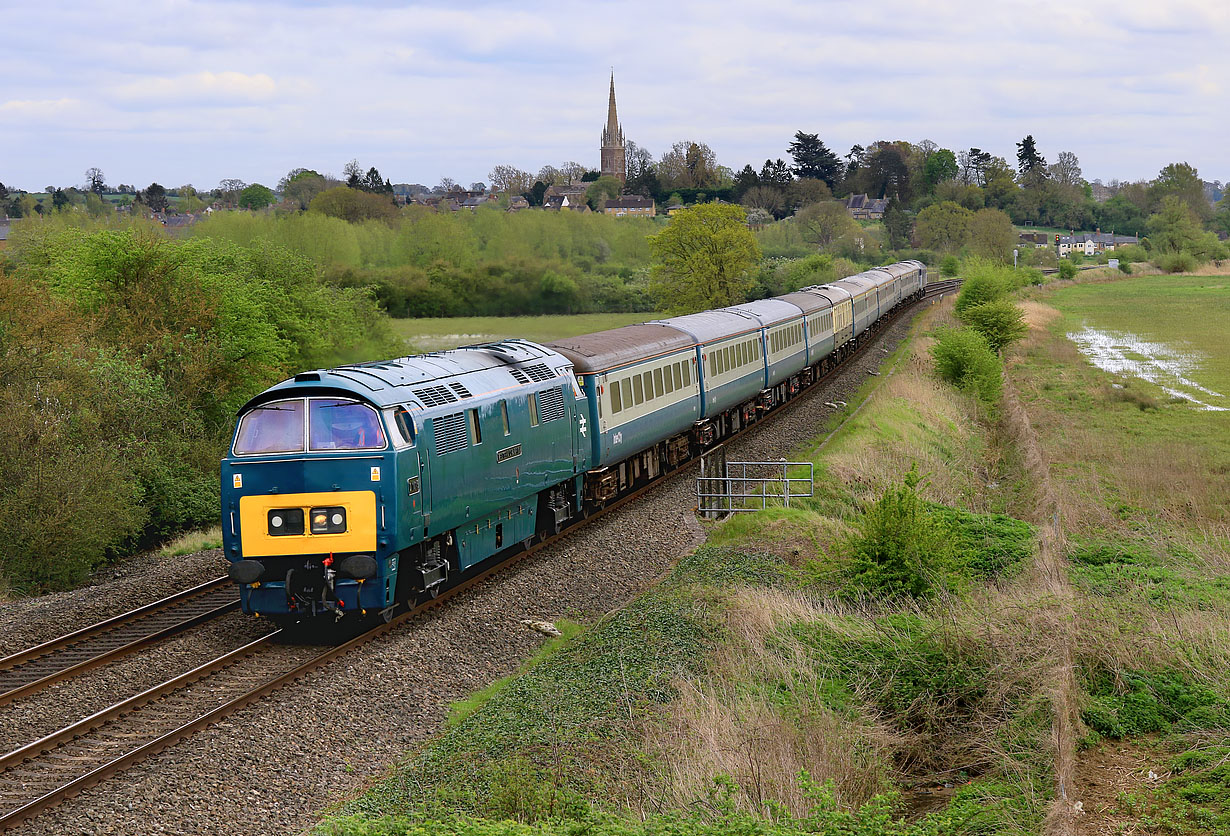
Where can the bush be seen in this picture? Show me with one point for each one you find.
(1067, 270)
(1000, 321)
(1176, 263)
(964, 358)
(984, 282)
(1125, 268)
(950, 266)
(899, 549)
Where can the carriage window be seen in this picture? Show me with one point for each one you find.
(679, 375)
(335, 424)
(668, 379)
(617, 403)
(658, 388)
(638, 390)
(504, 416)
(476, 431)
(647, 379)
(626, 387)
(533, 409)
(687, 374)
(271, 428)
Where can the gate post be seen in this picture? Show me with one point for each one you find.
(712, 485)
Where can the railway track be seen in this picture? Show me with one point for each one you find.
(43, 773)
(35, 668)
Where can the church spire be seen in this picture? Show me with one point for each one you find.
(613, 156)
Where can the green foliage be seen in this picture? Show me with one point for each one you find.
(899, 549)
(1067, 269)
(353, 205)
(1130, 703)
(985, 545)
(943, 226)
(125, 356)
(1176, 262)
(950, 266)
(704, 258)
(991, 235)
(256, 197)
(999, 320)
(984, 282)
(964, 358)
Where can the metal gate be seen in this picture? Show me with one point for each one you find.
(752, 486)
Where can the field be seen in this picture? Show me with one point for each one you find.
(438, 334)
(1126, 383)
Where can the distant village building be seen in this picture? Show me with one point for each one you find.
(614, 157)
(560, 202)
(629, 205)
(863, 208)
(1092, 243)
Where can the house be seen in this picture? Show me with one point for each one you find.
(517, 202)
(1092, 243)
(562, 201)
(630, 206)
(863, 208)
(1033, 239)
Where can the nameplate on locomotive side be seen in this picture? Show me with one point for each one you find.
(508, 453)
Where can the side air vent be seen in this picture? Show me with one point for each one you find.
(551, 404)
(307, 376)
(434, 395)
(518, 375)
(459, 389)
(450, 432)
(539, 372)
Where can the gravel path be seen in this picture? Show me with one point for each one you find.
(271, 767)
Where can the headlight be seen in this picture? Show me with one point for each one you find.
(285, 521)
(328, 520)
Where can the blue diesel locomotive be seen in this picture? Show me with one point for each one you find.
(359, 488)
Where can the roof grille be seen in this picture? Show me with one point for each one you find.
(459, 389)
(450, 432)
(551, 404)
(539, 372)
(518, 375)
(434, 395)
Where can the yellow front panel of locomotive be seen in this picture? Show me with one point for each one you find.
(360, 534)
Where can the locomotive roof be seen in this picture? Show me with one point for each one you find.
(809, 301)
(591, 353)
(708, 326)
(855, 284)
(769, 311)
(831, 292)
(428, 380)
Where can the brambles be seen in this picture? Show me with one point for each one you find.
(964, 358)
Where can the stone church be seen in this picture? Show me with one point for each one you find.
(614, 159)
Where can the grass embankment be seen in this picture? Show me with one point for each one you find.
(441, 333)
(1138, 464)
(762, 687)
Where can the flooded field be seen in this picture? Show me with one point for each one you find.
(1167, 366)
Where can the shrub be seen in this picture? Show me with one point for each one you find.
(984, 282)
(1124, 267)
(1067, 269)
(1000, 321)
(950, 266)
(964, 358)
(899, 549)
(1176, 263)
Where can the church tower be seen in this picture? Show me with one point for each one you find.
(614, 161)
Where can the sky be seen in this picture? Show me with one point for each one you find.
(193, 92)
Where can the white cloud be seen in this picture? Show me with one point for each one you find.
(225, 87)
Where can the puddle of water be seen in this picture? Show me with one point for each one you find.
(1120, 352)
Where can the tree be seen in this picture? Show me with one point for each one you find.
(824, 224)
(229, 189)
(572, 171)
(4, 192)
(301, 185)
(374, 183)
(548, 174)
(703, 259)
(446, 185)
(991, 234)
(776, 173)
(353, 205)
(96, 206)
(973, 164)
(637, 159)
(1181, 180)
(939, 166)
(1066, 170)
(746, 179)
(1027, 157)
(999, 320)
(804, 192)
(813, 159)
(189, 202)
(943, 226)
(535, 195)
(645, 183)
(155, 197)
(256, 197)
(1175, 228)
(95, 180)
(766, 198)
(688, 165)
(602, 190)
(509, 178)
(889, 175)
(897, 223)
(352, 172)
(59, 200)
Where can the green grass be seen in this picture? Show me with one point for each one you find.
(193, 542)
(439, 334)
